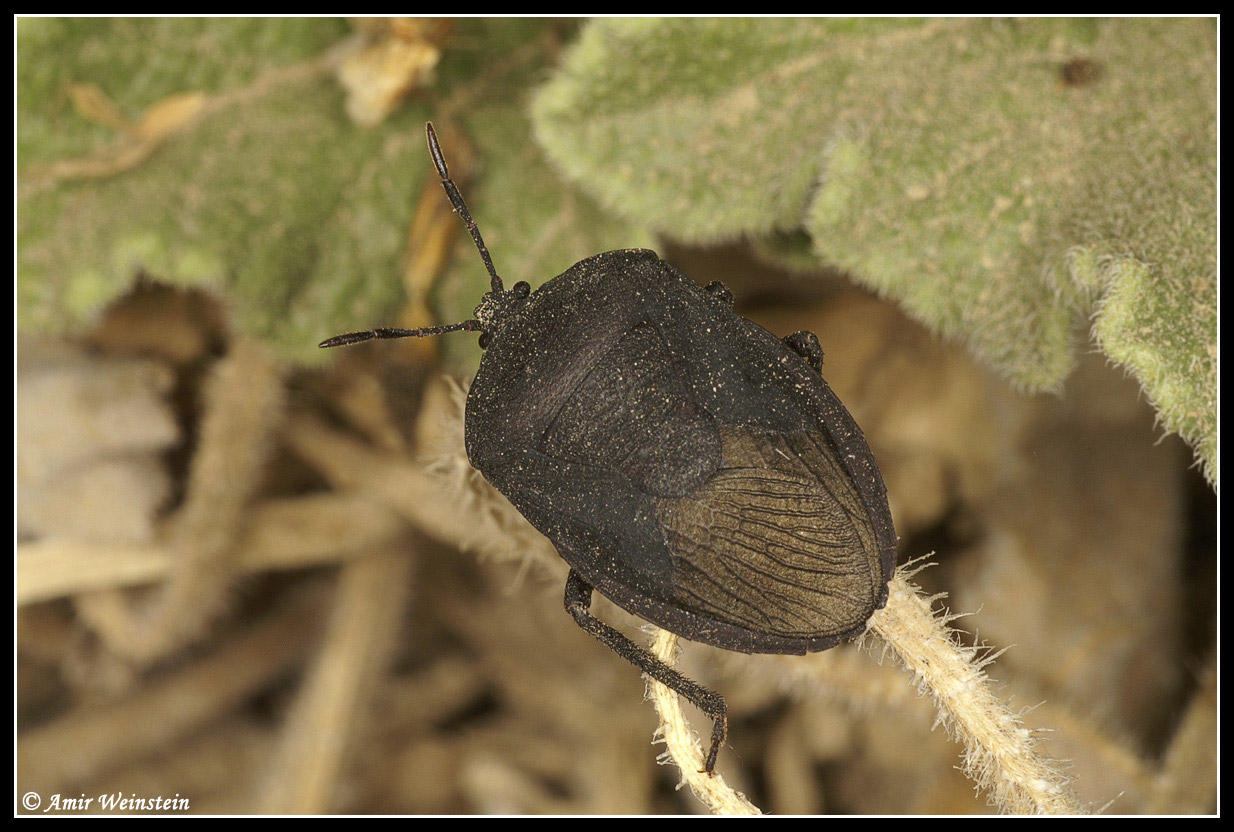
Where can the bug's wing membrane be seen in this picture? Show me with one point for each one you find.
(778, 541)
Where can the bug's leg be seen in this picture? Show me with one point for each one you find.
(578, 604)
(721, 292)
(805, 343)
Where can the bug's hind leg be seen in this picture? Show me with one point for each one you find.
(578, 604)
(805, 343)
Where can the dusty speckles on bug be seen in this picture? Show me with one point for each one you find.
(685, 462)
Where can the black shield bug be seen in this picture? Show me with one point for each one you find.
(692, 467)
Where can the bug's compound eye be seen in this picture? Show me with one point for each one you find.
(522, 288)
(484, 339)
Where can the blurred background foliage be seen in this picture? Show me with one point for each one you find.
(1007, 182)
(1018, 203)
(1004, 181)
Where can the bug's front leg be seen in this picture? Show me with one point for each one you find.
(578, 604)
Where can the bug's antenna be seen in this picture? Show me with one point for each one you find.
(456, 199)
(368, 335)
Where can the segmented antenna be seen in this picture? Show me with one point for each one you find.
(456, 199)
(393, 332)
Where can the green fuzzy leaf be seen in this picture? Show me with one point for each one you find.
(137, 61)
(967, 168)
(693, 125)
(273, 198)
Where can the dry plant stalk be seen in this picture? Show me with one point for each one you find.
(102, 737)
(318, 734)
(244, 404)
(999, 751)
(682, 744)
(279, 534)
(461, 510)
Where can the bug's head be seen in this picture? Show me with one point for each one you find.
(497, 304)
